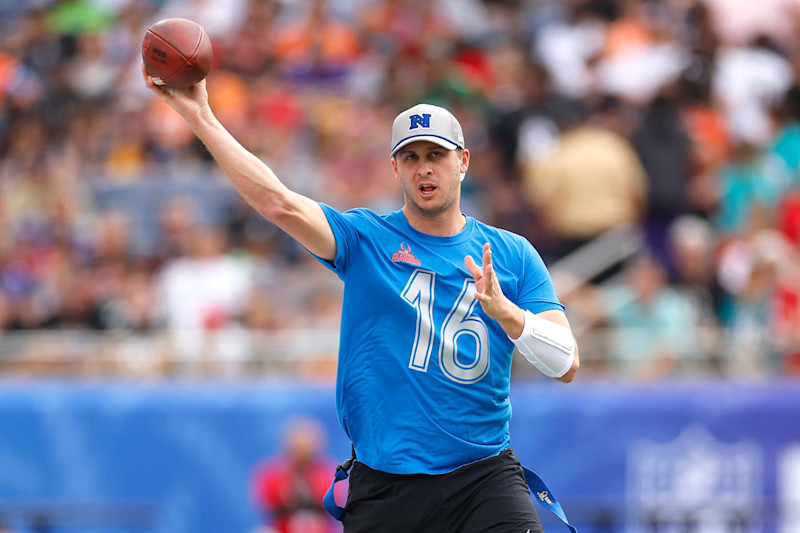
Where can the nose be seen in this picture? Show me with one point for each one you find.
(425, 169)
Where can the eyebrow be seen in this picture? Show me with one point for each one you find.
(403, 151)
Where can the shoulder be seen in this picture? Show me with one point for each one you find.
(360, 223)
(356, 214)
(360, 216)
(502, 238)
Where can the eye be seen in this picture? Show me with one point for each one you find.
(410, 157)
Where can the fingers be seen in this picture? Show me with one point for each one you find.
(488, 268)
(476, 270)
(473, 267)
(148, 80)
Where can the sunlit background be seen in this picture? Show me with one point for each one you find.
(162, 347)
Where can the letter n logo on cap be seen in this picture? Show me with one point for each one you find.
(420, 121)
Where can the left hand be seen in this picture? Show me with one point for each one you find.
(490, 295)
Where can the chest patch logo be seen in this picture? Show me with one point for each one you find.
(404, 255)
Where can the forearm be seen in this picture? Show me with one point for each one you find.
(254, 180)
(547, 342)
(300, 217)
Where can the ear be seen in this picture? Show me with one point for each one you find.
(464, 161)
(394, 169)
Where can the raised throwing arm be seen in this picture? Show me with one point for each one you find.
(297, 215)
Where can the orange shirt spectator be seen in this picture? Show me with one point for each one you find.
(317, 38)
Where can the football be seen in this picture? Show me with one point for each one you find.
(176, 52)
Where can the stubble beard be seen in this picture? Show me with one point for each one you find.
(430, 211)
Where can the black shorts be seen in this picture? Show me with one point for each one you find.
(487, 496)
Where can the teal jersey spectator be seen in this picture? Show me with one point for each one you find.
(786, 146)
(665, 323)
(747, 184)
(655, 325)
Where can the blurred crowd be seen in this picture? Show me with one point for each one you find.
(679, 119)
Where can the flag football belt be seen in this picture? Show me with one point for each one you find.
(536, 486)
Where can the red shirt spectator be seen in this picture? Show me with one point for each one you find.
(289, 488)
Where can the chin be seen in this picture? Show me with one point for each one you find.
(433, 211)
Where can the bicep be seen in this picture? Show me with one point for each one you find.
(556, 315)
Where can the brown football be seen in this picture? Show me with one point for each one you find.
(176, 52)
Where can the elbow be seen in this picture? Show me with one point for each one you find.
(278, 214)
(278, 209)
(573, 370)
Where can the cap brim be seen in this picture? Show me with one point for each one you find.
(441, 141)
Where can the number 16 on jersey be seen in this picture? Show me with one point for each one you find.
(420, 293)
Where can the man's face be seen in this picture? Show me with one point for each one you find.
(430, 176)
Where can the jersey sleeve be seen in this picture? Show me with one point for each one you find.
(536, 291)
(346, 234)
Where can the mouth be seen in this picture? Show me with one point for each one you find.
(427, 189)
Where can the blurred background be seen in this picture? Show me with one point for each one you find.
(167, 357)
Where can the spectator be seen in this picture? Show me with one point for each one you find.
(751, 273)
(642, 53)
(288, 488)
(748, 80)
(662, 144)
(750, 185)
(526, 114)
(409, 28)
(653, 325)
(250, 50)
(5, 313)
(691, 241)
(317, 48)
(177, 218)
(691, 244)
(784, 142)
(202, 297)
(738, 22)
(592, 182)
(710, 143)
(218, 17)
(568, 48)
(787, 308)
(80, 138)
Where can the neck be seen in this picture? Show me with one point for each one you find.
(440, 225)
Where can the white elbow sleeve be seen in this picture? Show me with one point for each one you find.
(550, 347)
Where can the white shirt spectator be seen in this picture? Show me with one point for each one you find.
(748, 80)
(218, 17)
(738, 22)
(637, 75)
(565, 51)
(202, 296)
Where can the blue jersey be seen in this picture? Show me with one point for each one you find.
(424, 374)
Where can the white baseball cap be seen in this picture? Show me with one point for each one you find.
(426, 122)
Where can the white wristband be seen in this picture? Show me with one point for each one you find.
(548, 346)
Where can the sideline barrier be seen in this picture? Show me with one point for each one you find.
(621, 457)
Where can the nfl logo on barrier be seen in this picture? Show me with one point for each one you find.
(695, 482)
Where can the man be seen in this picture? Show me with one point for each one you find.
(426, 335)
(289, 487)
